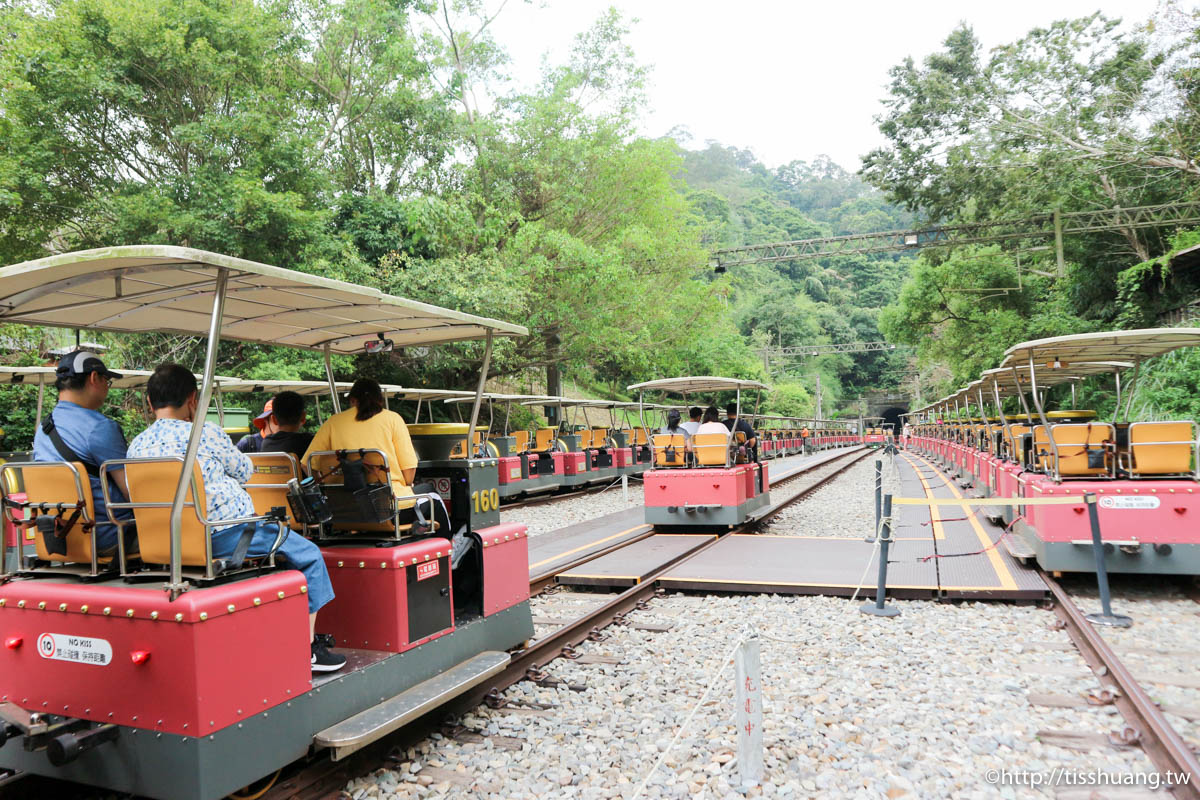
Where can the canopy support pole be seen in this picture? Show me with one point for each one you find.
(1132, 390)
(317, 403)
(417, 416)
(220, 407)
(1117, 405)
(176, 586)
(1037, 401)
(337, 403)
(1021, 396)
(41, 399)
(483, 372)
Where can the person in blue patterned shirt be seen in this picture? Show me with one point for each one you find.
(173, 398)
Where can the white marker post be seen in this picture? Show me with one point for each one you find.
(748, 674)
(625, 488)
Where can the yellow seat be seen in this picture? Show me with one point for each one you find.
(544, 440)
(152, 485)
(267, 486)
(52, 484)
(1161, 448)
(711, 449)
(522, 441)
(599, 437)
(585, 438)
(641, 437)
(663, 441)
(1075, 440)
(1012, 441)
(1041, 449)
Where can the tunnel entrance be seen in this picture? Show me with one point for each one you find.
(892, 415)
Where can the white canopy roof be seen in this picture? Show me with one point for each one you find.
(428, 395)
(130, 378)
(307, 388)
(495, 397)
(160, 288)
(1103, 346)
(702, 383)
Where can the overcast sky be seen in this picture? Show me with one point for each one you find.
(788, 80)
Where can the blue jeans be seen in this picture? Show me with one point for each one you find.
(298, 552)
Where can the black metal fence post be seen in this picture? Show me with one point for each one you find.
(1106, 615)
(878, 608)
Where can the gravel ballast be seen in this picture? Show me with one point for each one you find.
(918, 706)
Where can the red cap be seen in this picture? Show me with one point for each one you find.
(260, 421)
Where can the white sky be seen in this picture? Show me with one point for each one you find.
(788, 80)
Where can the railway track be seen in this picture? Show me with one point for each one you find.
(1147, 725)
(322, 779)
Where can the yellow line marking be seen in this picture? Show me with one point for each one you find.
(938, 531)
(560, 556)
(990, 549)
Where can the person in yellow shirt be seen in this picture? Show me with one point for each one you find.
(367, 425)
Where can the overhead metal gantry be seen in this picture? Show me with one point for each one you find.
(1039, 229)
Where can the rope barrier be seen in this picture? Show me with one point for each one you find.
(724, 665)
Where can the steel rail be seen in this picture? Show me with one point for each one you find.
(534, 658)
(321, 777)
(1160, 741)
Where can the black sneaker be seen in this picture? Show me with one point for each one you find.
(324, 660)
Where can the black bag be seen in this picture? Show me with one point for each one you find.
(1095, 458)
(308, 503)
(374, 500)
(54, 530)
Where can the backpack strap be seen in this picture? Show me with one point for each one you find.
(63, 450)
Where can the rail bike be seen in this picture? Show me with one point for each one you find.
(176, 675)
(1144, 473)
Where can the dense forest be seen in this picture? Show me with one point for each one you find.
(383, 142)
(1089, 113)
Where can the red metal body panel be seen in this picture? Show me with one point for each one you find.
(1008, 482)
(509, 469)
(573, 463)
(724, 486)
(623, 457)
(1151, 511)
(751, 478)
(370, 584)
(505, 566)
(766, 477)
(208, 667)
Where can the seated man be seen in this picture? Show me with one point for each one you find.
(738, 425)
(171, 392)
(695, 414)
(75, 430)
(279, 427)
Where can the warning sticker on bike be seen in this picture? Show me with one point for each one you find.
(80, 649)
(427, 570)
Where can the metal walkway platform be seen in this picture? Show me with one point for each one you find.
(632, 564)
(552, 551)
(937, 552)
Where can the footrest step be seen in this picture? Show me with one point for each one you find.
(378, 721)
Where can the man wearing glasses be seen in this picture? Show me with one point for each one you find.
(75, 430)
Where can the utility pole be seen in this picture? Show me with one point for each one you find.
(819, 415)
